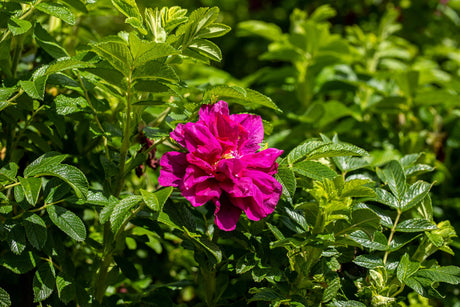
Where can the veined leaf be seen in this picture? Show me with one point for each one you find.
(43, 162)
(207, 49)
(59, 10)
(386, 198)
(357, 188)
(8, 173)
(65, 287)
(19, 264)
(35, 230)
(5, 300)
(128, 8)
(61, 64)
(117, 54)
(67, 105)
(144, 51)
(213, 30)
(378, 243)
(16, 238)
(18, 26)
(314, 170)
(48, 42)
(369, 261)
(244, 96)
(394, 176)
(157, 199)
(415, 225)
(155, 70)
(43, 283)
(67, 221)
(32, 187)
(415, 194)
(400, 240)
(286, 178)
(406, 268)
(121, 211)
(36, 88)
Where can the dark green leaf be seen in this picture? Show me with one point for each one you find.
(369, 261)
(5, 300)
(386, 198)
(18, 26)
(378, 243)
(121, 211)
(35, 230)
(400, 240)
(333, 287)
(67, 105)
(265, 295)
(298, 219)
(35, 89)
(68, 222)
(44, 282)
(59, 10)
(19, 264)
(65, 287)
(406, 268)
(49, 43)
(286, 178)
(314, 170)
(16, 238)
(32, 187)
(394, 176)
(415, 225)
(415, 194)
(8, 173)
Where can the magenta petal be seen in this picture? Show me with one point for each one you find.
(194, 175)
(226, 214)
(173, 165)
(255, 132)
(263, 160)
(209, 111)
(200, 141)
(178, 134)
(202, 192)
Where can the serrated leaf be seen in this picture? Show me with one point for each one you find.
(314, 170)
(65, 287)
(117, 54)
(48, 42)
(385, 219)
(8, 173)
(5, 300)
(18, 26)
(67, 105)
(378, 243)
(349, 303)
(68, 222)
(128, 8)
(285, 176)
(121, 211)
(276, 232)
(36, 231)
(369, 261)
(347, 164)
(415, 194)
(32, 187)
(418, 169)
(386, 198)
(244, 96)
(331, 149)
(207, 49)
(59, 65)
(264, 294)
(393, 175)
(104, 215)
(357, 188)
(144, 51)
(406, 268)
(298, 219)
(36, 88)
(155, 70)
(16, 238)
(333, 287)
(58, 10)
(156, 200)
(43, 282)
(137, 24)
(415, 225)
(400, 240)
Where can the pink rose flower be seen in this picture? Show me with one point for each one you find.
(223, 165)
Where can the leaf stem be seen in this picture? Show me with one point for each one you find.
(390, 238)
(9, 186)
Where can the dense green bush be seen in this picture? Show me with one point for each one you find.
(362, 97)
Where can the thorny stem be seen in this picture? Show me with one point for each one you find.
(390, 238)
(85, 91)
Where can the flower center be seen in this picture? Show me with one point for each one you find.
(228, 155)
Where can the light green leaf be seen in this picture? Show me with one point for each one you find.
(35, 230)
(418, 169)
(137, 24)
(59, 65)
(36, 88)
(144, 51)
(157, 199)
(117, 54)
(357, 188)
(394, 176)
(207, 49)
(314, 170)
(213, 30)
(415, 225)
(406, 268)
(43, 282)
(448, 274)
(59, 10)
(128, 8)
(369, 261)
(32, 187)
(155, 70)
(5, 300)
(415, 194)
(286, 178)
(65, 287)
(68, 222)
(18, 26)
(267, 30)
(331, 291)
(121, 211)
(244, 96)
(67, 105)
(43, 162)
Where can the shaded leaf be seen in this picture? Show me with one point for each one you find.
(36, 231)
(415, 225)
(314, 170)
(68, 222)
(378, 243)
(43, 282)
(285, 176)
(394, 176)
(121, 211)
(18, 26)
(406, 268)
(59, 10)
(415, 194)
(65, 287)
(32, 187)
(369, 261)
(5, 300)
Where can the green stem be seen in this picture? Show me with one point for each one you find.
(10, 186)
(390, 238)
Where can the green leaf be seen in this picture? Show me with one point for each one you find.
(156, 200)
(117, 54)
(121, 211)
(401, 240)
(265, 295)
(415, 194)
(155, 70)
(43, 162)
(386, 198)
(331, 291)
(369, 261)
(357, 188)
(137, 24)
(58, 10)
(36, 231)
(394, 176)
(18, 264)
(418, 169)
(5, 300)
(314, 170)
(244, 96)
(349, 303)
(285, 176)
(415, 225)
(70, 174)
(59, 65)
(8, 173)
(43, 282)
(406, 268)
(378, 243)
(18, 26)
(67, 105)
(65, 287)
(16, 238)
(144, 51)
(213, 30)
(48, 42)
(153, 133)
(68, 222)
(36, 88)
(297, 218)
(105, 213)
(32, 187)
(207, 49)
(331, 149)
(128, 8)
(269, 31)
